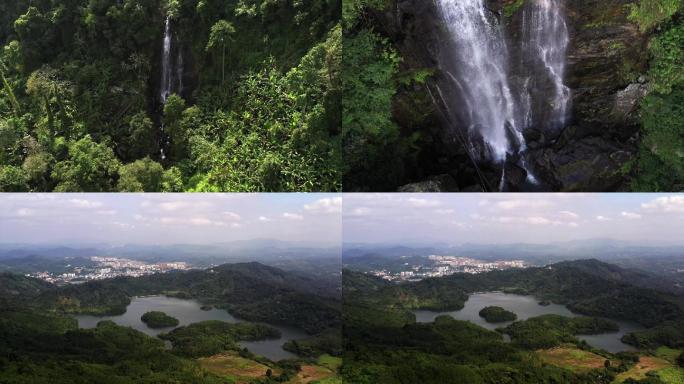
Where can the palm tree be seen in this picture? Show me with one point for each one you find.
(219, 37)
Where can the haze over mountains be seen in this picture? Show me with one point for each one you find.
(232, 250)
(540, 253)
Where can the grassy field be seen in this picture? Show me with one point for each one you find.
(571, 358)
(330, 362)
(239, 370)
(669, 354)
(235, 368)
(662, 365)
(311, 374)
(323, 372)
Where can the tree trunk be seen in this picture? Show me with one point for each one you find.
(223, 65)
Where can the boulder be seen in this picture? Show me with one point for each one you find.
(441, 183)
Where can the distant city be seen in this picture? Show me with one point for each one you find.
(447, 265)
(109, 267)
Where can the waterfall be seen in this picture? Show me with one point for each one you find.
(489, 100)
(165, 85)
(481, 74)
(544, 44)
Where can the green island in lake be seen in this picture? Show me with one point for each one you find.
(157, 319)
(494, 314)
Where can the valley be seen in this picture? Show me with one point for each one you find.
(209, 343)
(573, 326)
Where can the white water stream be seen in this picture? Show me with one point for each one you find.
(494, 110)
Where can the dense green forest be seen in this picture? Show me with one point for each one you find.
(245, 97)
(250, 291)
(210, 337)
(40, 347)
(382, 342)
(158, 319)
(494, 314)
(41, 343)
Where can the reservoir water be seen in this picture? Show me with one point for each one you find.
(188, 312)
(526, 307)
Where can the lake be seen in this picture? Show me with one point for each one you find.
(188, 312)
(526, 307)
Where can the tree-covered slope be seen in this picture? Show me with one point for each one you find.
(250, 291)
(252, 103)
(383, 343)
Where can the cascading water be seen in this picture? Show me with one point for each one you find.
(165, 87)
(544, 44)
(495, 108)
(481, 74)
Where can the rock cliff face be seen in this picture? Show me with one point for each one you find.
(606, 58)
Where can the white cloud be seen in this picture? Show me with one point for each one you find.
(631, 215)
(533, 220)
(570, 214)
(264, 219)
(444, 211)
(107, 212)
(81, 203)
(171, 206)
(602, 218)
(522, 203)
(423, 203)
(231, 215)
(293, 216)
(194, 221)
(25, 212)
(358, 212)
(326, 205)
(666, 204)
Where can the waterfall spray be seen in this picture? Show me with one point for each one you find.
(165, 87)
(481, 74)
(545, 42)
(495, 112)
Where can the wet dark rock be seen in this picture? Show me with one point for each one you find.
(441, 183)
(627, 100)
(515, 177)
(472, 189)
(591, 164)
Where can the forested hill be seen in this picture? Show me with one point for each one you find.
(569, 283)
(383, 342)
(169, 95)
(250, 291)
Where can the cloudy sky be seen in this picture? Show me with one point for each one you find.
(647, 219)
(119, 218)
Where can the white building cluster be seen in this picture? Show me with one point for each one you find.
(447, 265)
(110, 267)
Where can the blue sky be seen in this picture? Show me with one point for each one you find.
(648, 219)
(168, 218)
